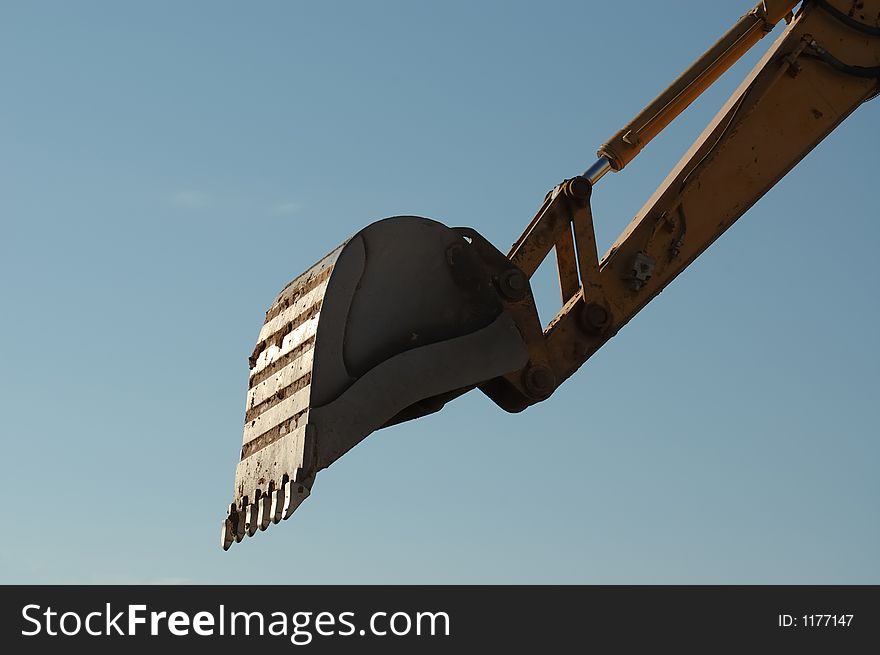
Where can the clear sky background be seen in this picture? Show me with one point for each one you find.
(167, 167)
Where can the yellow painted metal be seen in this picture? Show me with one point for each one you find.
(620, 149)
(790, 101)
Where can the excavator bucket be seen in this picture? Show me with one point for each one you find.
(396, 321)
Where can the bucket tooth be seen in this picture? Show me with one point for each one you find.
(251, 519)
(239, 519)
(227, 530)
(264, 515)
(278, 497)
(296, 493)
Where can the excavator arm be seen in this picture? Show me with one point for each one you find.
(799, 92)
(409, 314)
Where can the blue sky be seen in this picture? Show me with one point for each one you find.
(167, 167)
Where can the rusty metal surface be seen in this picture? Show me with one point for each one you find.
(269, 479)
(566, 266)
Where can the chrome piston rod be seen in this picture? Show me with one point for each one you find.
(595, 172)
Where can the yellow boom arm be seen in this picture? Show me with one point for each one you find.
(821, 68)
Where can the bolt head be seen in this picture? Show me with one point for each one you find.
(595, 318)
(539, 381)
(513, 284)
(580, 188)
